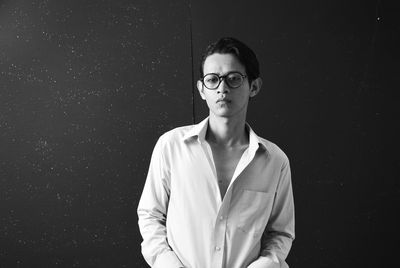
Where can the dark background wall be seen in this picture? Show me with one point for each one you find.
(86, 87)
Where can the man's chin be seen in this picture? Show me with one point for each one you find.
(223, 113)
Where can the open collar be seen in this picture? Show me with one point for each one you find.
(199, 131)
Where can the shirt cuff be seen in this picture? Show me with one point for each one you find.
(265, 261)
(167, 259)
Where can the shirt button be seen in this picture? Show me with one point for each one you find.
(221, 218)
(217, 248)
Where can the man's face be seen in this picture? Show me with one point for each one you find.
(225, 101)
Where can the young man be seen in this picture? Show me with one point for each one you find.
(216, 194)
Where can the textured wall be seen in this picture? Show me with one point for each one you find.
(86, 89)
(330, 72)
(87, 86)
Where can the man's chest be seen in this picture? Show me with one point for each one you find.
(225, 163)
(245, 200)
(196, 172)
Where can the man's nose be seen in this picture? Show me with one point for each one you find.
(223, 87)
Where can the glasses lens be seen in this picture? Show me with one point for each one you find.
(234, 80)
(211, 81)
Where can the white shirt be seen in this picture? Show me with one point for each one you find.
(184, 222)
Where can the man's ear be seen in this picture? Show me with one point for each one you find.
(255, 86)
(200, 88)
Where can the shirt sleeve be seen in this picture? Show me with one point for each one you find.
(152, 211)
(279, 233)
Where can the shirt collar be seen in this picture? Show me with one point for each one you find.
(255, 141)
(199, 131)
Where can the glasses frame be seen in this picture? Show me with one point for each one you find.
(223, 77)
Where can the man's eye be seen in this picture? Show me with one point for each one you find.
(212, 79)
(234, 78)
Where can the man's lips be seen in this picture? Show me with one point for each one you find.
(223, 100)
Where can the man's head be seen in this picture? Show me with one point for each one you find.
(229, 77)
(242, 52)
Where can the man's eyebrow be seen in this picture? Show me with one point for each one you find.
(232, 71)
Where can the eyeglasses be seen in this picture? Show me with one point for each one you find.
(232, 79)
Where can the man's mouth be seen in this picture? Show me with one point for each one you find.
(223, 100)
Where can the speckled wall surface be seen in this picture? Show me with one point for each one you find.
(87, 86)
(330, 72)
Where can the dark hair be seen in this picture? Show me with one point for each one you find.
(243, 53)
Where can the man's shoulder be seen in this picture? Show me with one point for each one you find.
(274, 151)
(176, 134)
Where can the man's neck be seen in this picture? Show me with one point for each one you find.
(227, 132)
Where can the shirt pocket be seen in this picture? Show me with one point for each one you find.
(254, 211)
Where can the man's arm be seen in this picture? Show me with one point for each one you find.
(279, 234)
(152, 212)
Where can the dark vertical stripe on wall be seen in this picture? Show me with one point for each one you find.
(192, 62)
